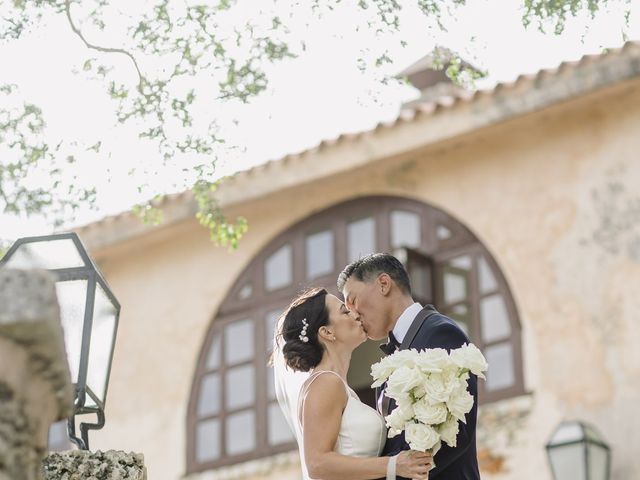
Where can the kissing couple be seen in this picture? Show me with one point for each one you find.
(338, 435)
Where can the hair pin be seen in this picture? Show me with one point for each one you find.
(303, 334)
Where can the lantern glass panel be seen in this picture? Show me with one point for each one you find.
(58, 437)
(568, 461)
(592, 434)
(71, 298)
(102, 338)
(568, 432)
(46, 254)
(598, 462)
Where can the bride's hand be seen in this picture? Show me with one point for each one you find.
(413, 464)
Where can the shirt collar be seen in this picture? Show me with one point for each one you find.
(405, 321)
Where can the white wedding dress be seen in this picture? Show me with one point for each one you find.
(362, 429)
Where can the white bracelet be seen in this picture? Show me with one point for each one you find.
(391, 467)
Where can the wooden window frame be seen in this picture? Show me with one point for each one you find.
(477, 250)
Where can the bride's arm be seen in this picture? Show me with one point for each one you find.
(323, 405)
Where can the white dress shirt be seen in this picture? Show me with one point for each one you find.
(404, 322)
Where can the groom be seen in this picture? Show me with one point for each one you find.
(377, 287)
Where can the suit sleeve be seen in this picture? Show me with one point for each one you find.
(449, 336)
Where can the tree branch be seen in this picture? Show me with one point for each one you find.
(76, 30)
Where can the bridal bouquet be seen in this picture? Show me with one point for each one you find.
(430, 390)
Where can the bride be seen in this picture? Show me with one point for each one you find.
(338, 436)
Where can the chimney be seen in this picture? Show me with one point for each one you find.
(429, 77)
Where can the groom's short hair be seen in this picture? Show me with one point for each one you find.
(370, 266)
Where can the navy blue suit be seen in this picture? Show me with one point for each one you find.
(459, 463)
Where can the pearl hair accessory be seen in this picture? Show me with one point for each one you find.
(303, 334)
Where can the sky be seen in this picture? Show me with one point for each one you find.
(319, 95)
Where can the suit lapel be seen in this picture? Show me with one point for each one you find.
(425, 313)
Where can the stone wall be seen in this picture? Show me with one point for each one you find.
(35, 386)
(81, 465)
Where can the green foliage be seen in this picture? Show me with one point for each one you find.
(170, 47)
(149, 213)
(4, 246)
(26, 156)
(556, 13)
(221, 231)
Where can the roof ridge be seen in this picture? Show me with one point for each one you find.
(427, 108)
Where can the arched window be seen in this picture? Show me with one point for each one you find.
(233, 415)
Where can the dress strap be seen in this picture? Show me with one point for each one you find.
(315, 375)
(307, 384)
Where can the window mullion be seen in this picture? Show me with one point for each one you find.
(474, 302)
(223, 401)
(259, 362)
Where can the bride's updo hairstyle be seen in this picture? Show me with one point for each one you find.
(307, 313)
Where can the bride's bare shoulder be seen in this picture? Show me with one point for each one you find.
(325, 386)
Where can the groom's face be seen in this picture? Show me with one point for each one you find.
(366, 300)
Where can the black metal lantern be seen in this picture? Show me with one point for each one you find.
(577, 451)
(89, 314)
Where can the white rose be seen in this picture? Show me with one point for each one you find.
(403, 358)
(402, 381)
(380, 371)
(460, 403)
(449, 431)
(420, 391)
(437, 388)
(470, 357)
(450, 379)
(437, 358)
(421, 437)
(398, 418)
(431, 360)
(430, 414)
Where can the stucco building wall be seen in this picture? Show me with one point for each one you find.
(552, 195)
